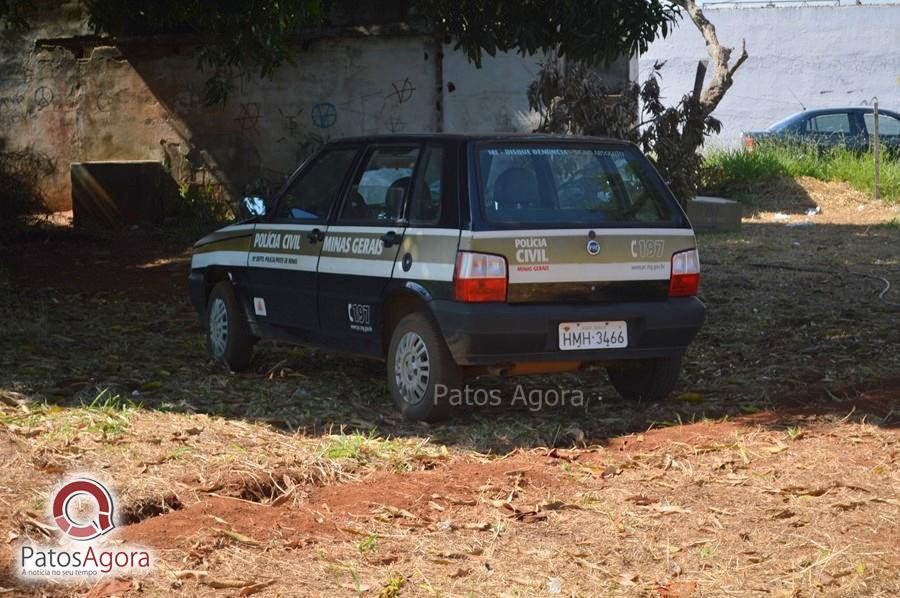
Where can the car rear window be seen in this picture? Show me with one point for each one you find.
(569, 186)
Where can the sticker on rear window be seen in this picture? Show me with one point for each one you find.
(555, 151)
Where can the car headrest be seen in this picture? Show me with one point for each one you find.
(516, 188)
(393, 201)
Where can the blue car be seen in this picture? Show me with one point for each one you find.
(851, 128)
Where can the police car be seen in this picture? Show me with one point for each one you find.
(450, 256)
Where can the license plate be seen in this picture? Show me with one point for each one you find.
(592, 335)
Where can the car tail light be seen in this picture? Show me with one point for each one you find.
(479, 277)
(748, 143)
(685, 279)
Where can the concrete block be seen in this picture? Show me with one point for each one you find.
(119, 194)
(714, 214)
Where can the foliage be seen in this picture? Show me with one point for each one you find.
(21, 202)
(572, 98)
(584, 30)
(199, 209)
(732, 172)
(671, 135)
(12, 16)
(674, 135)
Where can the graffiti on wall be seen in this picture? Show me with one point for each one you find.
(324, 115)
(248, 118)
(401, 91)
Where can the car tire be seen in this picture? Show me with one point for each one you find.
(416, 345)
(648, 379)
(228, 336)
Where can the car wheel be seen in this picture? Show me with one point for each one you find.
(647, 379)
(420, 369)
(228, 337)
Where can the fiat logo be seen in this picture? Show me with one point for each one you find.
(593, 247)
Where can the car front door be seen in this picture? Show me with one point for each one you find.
(831, 129)
(361, 245)
(284, 250)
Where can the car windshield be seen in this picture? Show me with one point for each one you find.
(570, 185)
(783, 123)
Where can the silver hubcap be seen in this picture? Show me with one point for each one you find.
(218, 327)
(412, 369)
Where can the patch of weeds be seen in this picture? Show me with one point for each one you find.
(368, 449)
(794, 433)
(197, 210)
(734, 172)
(177, 453)
(706, 552)
(38, 504)
(347, 446)
(893, 223)
(392, 587)
(338, 570)
(21, 173)
(370, 544)
(109, 413)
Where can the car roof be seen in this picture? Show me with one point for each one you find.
(490, 137)
(797, 116)
(848, 109)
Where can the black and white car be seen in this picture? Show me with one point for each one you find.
(450, 255)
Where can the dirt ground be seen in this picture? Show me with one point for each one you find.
(772, 470)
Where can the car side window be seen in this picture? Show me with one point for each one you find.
(830, 124)
(310, 195)
(887, 125)
(379, 189)
(425, 203)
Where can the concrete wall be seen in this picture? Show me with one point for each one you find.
(815, 56)
(144, 102)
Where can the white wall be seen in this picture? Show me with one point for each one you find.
(492, 98)
(815, 56)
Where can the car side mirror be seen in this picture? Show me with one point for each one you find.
(253, 206)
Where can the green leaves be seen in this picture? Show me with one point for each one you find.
(254, 37)
(588, 30)
(12, 17)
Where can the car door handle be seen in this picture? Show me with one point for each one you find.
(390, 238)
(316, 235)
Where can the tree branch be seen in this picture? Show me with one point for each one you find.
(723, 74)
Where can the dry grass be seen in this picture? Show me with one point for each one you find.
(723, 508)
(297, 478)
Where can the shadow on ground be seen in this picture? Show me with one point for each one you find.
(83, 315)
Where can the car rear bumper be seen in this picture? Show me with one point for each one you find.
(495, 333)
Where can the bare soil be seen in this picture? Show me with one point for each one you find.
(772, 470)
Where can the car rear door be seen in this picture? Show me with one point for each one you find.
(577, 224)
(888, 129)
(284, 251)
(362, 242)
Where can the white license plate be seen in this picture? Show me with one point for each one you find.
(592, 335)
